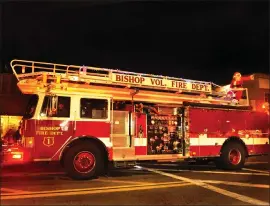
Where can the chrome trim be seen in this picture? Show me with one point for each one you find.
(42, 160)
(65, 143)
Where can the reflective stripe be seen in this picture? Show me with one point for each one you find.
(204, 141)
(140, 142)
(106, 141)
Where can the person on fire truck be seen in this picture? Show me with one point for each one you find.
(237, 83)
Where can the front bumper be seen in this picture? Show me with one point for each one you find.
(13, 155)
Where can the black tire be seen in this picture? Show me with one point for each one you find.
(72, 157)
(226, 160)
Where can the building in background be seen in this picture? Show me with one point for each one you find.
(258, 91)
(12, 104)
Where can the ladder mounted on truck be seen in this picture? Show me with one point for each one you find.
(32, 71)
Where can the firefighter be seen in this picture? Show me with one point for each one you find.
(237, 83)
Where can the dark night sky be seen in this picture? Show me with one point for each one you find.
(198, 40)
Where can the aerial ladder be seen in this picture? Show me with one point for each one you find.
(33, 76)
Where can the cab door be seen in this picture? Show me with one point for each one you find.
(93, 118)
(54, 126)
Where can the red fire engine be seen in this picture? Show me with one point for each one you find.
(88, 117)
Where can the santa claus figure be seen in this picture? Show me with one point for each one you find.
(237, 83)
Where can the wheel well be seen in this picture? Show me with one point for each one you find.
(87, 140)
(235, 139)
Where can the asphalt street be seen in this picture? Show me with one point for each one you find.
(146, 184)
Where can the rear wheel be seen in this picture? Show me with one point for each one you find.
(232, 156)
(83, 161)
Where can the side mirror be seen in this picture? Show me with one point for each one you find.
(54, 100)
(52, 105)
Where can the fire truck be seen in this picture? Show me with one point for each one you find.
(87, 118)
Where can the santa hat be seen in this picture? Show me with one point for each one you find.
(236, 74)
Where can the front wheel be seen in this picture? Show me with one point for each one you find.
(232, 157)
(83, 161)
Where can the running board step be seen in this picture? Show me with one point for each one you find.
(124, 164)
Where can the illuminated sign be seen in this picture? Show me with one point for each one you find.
(162, 83)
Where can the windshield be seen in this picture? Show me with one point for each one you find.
(31, 107)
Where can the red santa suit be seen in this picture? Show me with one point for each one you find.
(237, 83)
